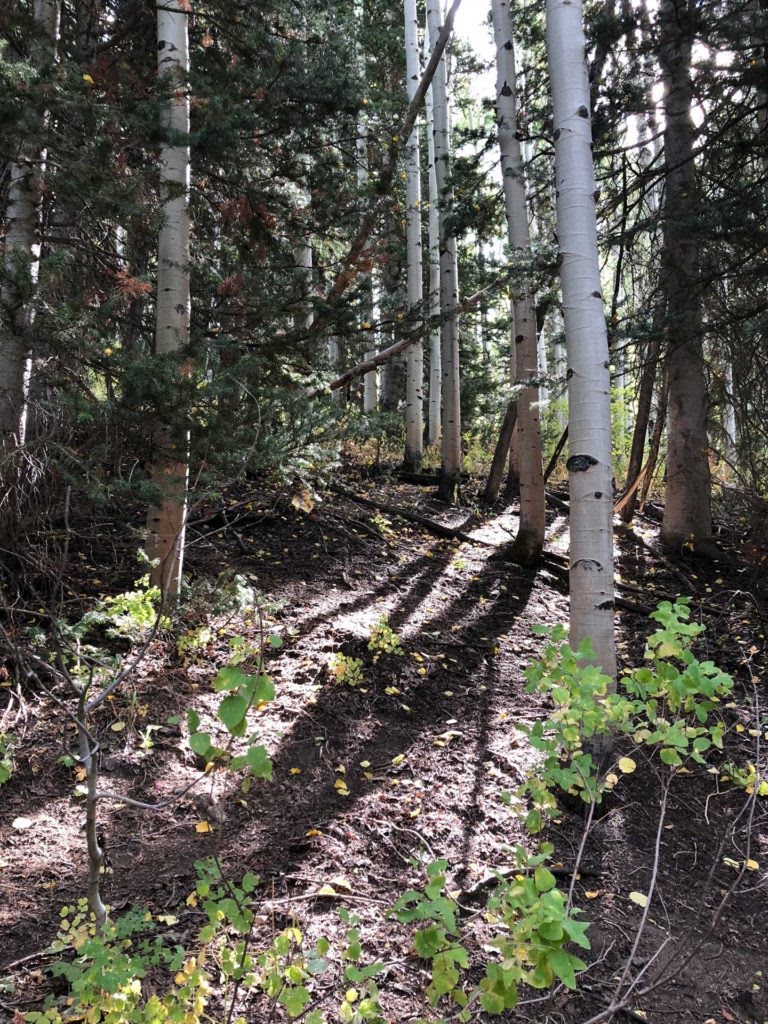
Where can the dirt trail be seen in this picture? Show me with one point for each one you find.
(425, 746)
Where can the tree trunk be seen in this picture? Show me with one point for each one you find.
(496, 472)
(589, 398)
(450, 447)
(644, 404)
(22, 250)
(370, 305)
(529, 542)
(166, 521)
(687, 513)
(414, 387)
(435, 369)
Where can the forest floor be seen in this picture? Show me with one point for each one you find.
(423, 746)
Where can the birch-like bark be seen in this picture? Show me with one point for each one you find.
(22, 250)
(589, 385)
(687, 513)
(414, 383)
(304, 316)
(166, 521)
(450, 442)
(370, 304)
(530, 535)
(433, 225)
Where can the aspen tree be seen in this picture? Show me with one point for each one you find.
(530, 536)
(687, 512)
(370, 304)
(589, 399)
(167, 519)
(450, 442)
(22, 250)
(414, 384)
(433, 228)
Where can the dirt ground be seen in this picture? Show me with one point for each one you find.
(426, 745)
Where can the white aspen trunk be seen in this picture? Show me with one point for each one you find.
(729, 416)
(22, 255)
(530, 536)
(414, 382)
(370, 305)
(304, 317)
(435, 369)
(450, 442)
(589, 387)
(561, 364)
(687, 512)
(166, 521)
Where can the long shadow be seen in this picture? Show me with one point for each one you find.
(343, 726)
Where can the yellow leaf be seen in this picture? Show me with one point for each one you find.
(592, 894)
(294, 771)
(191, 900)
(666, 650)
(180, 979)
(313, 832)
(167, 919)
(117, 726)
(88, 80)
(326, 890)
(351, 995)
(341, 769)
(302, 500)
(751, 865)
(626, 765)
(398, 759)
(731, 863)
(639, 898)
(202, 826)
(365, 764)
(739, 727)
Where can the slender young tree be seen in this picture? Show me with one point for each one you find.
(529, 542)
(687, 511)
(370, 303)
(414, 384)
(450, 442)
(167, 519)
(589, 399)
(433, 227)
(22, 247)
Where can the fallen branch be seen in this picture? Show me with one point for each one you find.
(412, 517)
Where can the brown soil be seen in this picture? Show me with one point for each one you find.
(464, 614)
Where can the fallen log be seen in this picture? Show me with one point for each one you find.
(413, 517)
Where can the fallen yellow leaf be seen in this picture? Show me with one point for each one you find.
(639, 898)
(202, 826)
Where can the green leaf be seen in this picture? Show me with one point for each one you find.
(263, 688)
(544, 879)
(232, 710)
(491, 1002)
(669, 756)
(261, 766)
(250, 882)
(429, 941)
(229, 678)
(276, 641)
(193, 720)
(294, 999)
(200, 742)
(561, 964)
